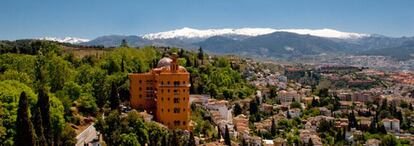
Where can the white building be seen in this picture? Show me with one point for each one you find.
(288, 96)
(89, 137)
(391, 125)
(221, 106)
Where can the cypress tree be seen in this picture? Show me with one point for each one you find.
(227, 136)
(373, 126)
(381, 128)
(288, 115)
(25, 135)
(38, 69)
(174, 139)
(201, 55)
(273, 128)
(114, 97)
(37, 120)
(218, 133)
(122, 64)
(253, 107)
(124, 43)
(315, 103)
(310, 142)
(43, 104)
(244, 142)
(164, 141)
(237, 109)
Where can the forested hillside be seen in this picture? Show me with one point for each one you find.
(65, 87)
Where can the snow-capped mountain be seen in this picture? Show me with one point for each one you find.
(189, 33)
(71, 40)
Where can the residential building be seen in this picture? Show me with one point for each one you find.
(391, 125)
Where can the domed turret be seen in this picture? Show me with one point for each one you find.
(164, 62)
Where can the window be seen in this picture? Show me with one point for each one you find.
(175, 91)
(162, 98)
(176, 83)
(183, 90)
(162, 90)
(184, 123)
(183, 98)
(176, 110)
(176, 100)
(168, 110)
(184, 109)
(168, 90)
(162, 82)
(140, 96)
(177, 123)
(140, 81)
(168, 82)
(140, 88)
(162, 110)
(168, 99)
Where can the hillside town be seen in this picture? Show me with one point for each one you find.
(316, 105)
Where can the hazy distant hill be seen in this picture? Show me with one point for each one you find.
(115, 40)
(403, 52)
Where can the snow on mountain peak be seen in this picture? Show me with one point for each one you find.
(71, 40)
(197, 33)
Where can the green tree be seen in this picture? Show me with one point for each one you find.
(389, 140)
(87, 104)
(155, 133)
(97, 78)
(68, 136)
(295, 104)
(25, 135)
(72, 89)
(129, 139)
(58, 72)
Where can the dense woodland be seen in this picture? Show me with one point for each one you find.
(46, 88)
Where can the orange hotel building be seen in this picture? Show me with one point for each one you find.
(163, 92)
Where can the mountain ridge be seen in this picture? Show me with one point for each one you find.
(187, 32)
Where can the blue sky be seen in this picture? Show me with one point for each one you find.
(92, 18)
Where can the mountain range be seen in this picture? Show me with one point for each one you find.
(268, 42)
